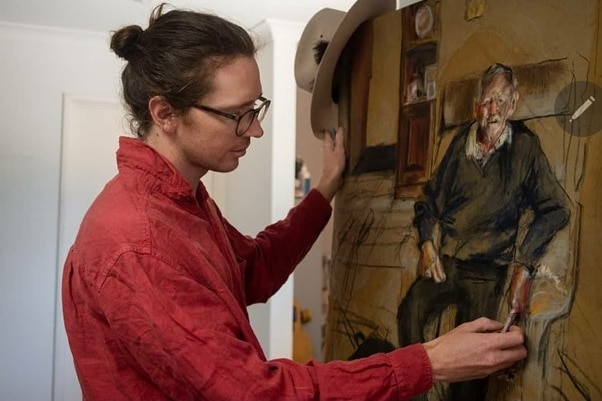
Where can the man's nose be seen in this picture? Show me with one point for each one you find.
(255, 130)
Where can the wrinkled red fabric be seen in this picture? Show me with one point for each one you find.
(155, 290)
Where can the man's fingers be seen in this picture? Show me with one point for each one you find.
(439, 274)
(482, 325)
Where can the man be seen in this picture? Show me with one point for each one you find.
(156, 285)
(493, 172)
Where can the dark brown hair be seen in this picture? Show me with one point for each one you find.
(176, 58)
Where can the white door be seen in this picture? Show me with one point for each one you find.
(91, 128)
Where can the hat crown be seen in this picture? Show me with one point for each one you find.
(316, 36)
(314, 74)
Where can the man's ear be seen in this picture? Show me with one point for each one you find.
(513, 104)
(162, 113)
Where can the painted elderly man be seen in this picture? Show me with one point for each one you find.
(493, 172)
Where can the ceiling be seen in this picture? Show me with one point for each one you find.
(108, 15)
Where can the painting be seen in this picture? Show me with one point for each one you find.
(475, 9)
(371, 89)
(475, 241)
(408, 268)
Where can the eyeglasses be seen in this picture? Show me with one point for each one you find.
(244, 120)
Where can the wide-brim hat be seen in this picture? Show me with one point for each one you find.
(332, 29)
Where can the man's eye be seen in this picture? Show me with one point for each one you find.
(243, 110)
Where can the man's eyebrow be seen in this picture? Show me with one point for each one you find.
(249, 104)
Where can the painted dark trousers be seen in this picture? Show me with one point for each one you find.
(476, 290)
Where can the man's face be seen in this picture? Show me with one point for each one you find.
(208, 141)
(495, 106)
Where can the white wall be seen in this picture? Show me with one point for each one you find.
(265, 177)
(308, 289)
(39, 66)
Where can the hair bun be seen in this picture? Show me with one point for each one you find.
(124, 41)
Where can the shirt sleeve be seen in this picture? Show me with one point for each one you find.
(187, 340)
(550, 205)
(428, 208)
(274, 253)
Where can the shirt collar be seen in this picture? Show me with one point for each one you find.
(161, 174)
(472, 147)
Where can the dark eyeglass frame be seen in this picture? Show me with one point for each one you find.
(258, 113)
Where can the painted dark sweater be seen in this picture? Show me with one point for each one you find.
(478, 208)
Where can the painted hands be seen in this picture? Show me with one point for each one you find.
(520, 288)
(429, 263)
(475, 350)
(334, 163)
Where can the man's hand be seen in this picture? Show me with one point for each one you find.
(333, 153)
(429, 263)
(475, 350)
(520, 287)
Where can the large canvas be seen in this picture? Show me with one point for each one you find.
(554, 49)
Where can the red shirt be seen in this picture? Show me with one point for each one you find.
(155, 290)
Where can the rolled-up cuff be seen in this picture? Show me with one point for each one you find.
(412, 369)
